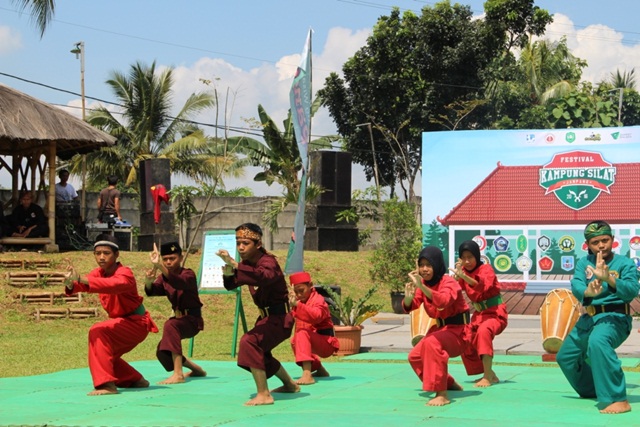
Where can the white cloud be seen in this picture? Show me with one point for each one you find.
(9, 40)
(604, 48)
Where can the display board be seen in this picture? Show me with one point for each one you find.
(210, 280)
(526, 195)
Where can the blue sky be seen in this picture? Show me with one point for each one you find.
(251, 47)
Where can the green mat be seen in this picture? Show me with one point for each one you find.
(357, 393)
(627, 362)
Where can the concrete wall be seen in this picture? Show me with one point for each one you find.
(223, 213)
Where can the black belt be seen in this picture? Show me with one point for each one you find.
(592, 310)
(328, 332)
(457, 319)
(282, 308)
(187, 311)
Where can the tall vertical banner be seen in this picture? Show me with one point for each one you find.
(300, 99)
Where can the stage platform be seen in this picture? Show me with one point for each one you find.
(374, 389)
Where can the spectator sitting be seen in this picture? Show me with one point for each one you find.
(28, 219)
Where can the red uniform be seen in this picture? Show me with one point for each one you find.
(430, 356)
(269, 291)
(314, 336)
(486, 323)
(128, 325)
(182, 291)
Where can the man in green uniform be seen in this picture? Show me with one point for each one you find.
(605, 283)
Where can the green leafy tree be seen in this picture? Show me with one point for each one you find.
(147, 129)
(410, 69)
(396, 252)
(280, 158)
(544, 72)
(582, 108)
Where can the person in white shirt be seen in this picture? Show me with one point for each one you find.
(65, 191)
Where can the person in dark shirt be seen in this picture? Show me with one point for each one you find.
(260, 271)
(179, 285)
(28, 219)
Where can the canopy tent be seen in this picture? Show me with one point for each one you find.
(33, 133)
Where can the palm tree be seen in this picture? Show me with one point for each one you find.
(624, 80)
(280, 158)
(41, 11)
(549, 68)
(146, 129)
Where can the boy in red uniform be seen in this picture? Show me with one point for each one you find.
(260, 271)
(179, 285)
(443, 301)
(128, 324)
(314, 336)
(480, 283)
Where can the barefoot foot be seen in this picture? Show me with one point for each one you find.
(196, 370)
(617, 408)
(487, 381)
(455, 386)
(321, 372)
(141, 383)
(306, 379)
(260, 399)
(173, 379)
(441, 399)
(287, 388)
(108, 388)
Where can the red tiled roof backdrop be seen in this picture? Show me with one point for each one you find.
(512, 195)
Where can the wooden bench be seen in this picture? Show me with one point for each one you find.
(25, 241)
(45, 242)
(35, 278)
(47, 297)
(22, 264)
(62, 313)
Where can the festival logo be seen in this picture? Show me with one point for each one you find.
(570, 137)
(501, 244)
(545, 263)
(566, 243)
(524, 263)
(543, 243)
(522, 243)
(481, 241)
(567, 263)
(577, 177)
(502, 263)
(634, 243)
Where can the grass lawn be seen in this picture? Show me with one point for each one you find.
(31, 347)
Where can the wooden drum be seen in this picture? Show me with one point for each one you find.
(558, 314)
(421, 323)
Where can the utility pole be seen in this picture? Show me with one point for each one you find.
(375, 162)
(78, 50)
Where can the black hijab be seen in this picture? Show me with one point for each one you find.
(434, 256)
(471, 246)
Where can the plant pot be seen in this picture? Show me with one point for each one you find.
(349, 338)
(396, 302)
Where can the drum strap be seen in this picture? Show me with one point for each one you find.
(488, 303)
(592, 310)
(457, 319)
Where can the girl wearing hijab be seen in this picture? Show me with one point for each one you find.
(442, 299)
(480, 283)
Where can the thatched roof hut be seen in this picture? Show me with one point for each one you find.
(34, 133)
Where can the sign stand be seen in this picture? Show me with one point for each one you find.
(210, 279)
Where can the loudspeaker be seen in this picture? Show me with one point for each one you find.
(332, 171)
(152, 172)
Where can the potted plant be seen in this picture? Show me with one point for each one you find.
(351, 314)
(395, 254)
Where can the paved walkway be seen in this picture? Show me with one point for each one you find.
(389, 332)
